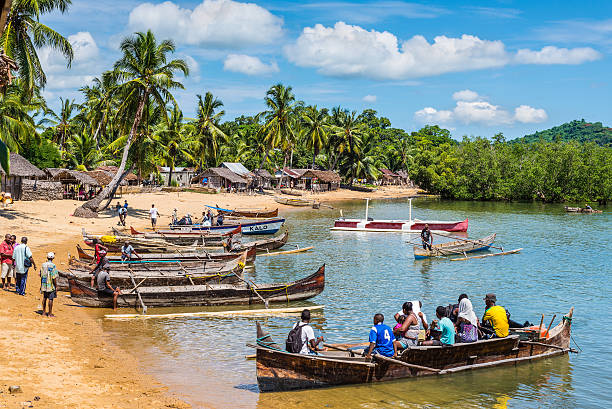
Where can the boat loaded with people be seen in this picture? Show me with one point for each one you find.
(341, 364)
(457, 247)
(201, 294)
(404, 226)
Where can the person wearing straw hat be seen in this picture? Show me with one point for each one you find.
(48, 284)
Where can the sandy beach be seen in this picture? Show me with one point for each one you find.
(67, 361)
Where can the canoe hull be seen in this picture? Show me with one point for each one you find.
(183, 256)
(454, 247)
(203, 295)
(250, 213)
(249, 227)
(279, 371)
(400, 226)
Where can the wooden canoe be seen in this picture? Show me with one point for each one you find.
(278, 370)
(265, 245)
(457, 247)
(581, 210)
(257, 213)
(183, 256)
(292, 202)
(198, 295)
(291, 192)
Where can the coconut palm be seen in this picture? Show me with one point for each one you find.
(278, 129)
(24, 34)
(173, 140)
(207, 130)
(315, 129)
(144, 74)
(63, 121)
(16, 122)
(99, 103)
(347, 135)
(82, 152)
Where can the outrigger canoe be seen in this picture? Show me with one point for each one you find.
(458, 247)
(278, 370)
(202, 294)
(581, 210)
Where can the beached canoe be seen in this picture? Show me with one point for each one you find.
(254, 213)
(208, 294)
(291, 192)
(278, 370)
(183, 256)
(581, 210)
(265, 245)
(249, 227)
(292, 202)
(186, 238)
(458, 247)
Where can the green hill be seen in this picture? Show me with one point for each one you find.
(580, 131)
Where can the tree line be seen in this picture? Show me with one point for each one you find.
(128, 116)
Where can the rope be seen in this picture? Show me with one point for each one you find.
(578, 346)
(267, 345)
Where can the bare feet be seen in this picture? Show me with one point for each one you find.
(51, 315)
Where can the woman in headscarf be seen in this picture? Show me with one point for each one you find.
(467, 322)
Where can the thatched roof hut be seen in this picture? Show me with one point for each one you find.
(130, 178)
(103, 178)
(220, 178)
(22, 168)
(69, 176)
(323, 176)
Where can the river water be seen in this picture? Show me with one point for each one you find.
(566, 262)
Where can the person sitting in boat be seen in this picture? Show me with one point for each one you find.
(175, 219)
(586, 206)
(98, 249)
(127, 251)
(409, 331)
(445, 327)
(220, 219)
(396, 330)
(102, 264)
(105, 289)
(467, 322)
(495, 318)
(206, 222)
(426, 237)
(302, 336)
(381, 339)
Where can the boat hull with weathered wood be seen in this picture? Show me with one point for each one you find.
(291, 192)
(254, 213)
(199, 295)
(266, 245)
(452, 248)
(293, 202)
(182, 256)
(581, 210)
(249, 227)
(278, 370)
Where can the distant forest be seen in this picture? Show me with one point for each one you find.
(580, 131)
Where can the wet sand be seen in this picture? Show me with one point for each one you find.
(68, 361)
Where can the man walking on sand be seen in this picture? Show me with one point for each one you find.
(154, 214)
(48, 284)
(6, 258)
(23, 261)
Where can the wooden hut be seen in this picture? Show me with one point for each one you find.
(319, 180)
(130, 179)
(264, 178)
(23, 178)
(221, 178)
(389, 178)
(77, 185)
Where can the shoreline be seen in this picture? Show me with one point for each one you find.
(68, 361)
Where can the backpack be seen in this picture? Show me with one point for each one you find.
(294, 342)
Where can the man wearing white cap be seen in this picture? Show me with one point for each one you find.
(48, 284)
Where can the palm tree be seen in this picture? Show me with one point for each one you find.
(315, 127)
(16, 122)
(207, 129)
(99, 103)
(24, 34)
(173, 140)
(277, 128)
(144, 73)
(82, 152)
(63, 121)
(347, 135)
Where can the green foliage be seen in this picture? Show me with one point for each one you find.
(580, 131)
(42, 155)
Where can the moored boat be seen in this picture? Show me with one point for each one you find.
(278, 370)
(249, 227)
(403, 226)
(183, 256)
(254, 213)
(457, 247)
(292, 202)
(203, 294)
(291, 192)
(581, 210)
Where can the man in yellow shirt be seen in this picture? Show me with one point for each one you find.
(496, 316)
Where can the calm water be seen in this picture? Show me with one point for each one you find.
(566, 262)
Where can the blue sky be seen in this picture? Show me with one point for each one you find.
(477, 68)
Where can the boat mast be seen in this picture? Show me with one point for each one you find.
(367, 207)
(410, 210)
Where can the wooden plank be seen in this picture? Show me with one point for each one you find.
(258, 312)
(500, 362)
(398, 362)
(286, 252)
(487, 255)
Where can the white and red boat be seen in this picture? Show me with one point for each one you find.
(406, 226)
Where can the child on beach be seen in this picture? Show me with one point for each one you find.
(48, 284)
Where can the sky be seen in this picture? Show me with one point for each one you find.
(474, 67)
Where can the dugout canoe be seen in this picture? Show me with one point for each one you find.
(254, 213)
(292, 202)
(267, 244)
(291, 192)
(199, 295)
(249, 227)
(182, 256)
(193, 237)
(278, 370)
(457, 247)
(581, 210)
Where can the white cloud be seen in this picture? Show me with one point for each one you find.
(248, 65)
(555, 55)
(470, 108)
(465, 95)
(349, 50)
(369, 98)
(215, 23)
(527, 114)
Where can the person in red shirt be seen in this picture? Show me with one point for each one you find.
(6, 259)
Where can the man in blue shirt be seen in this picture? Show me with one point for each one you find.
(446, 328)
(381, 338)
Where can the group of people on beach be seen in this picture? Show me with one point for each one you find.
(455, 323)
(17, 259)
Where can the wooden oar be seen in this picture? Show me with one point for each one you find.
(398, 362)
(144, 307)
(352, 353)
(549, 325)
(503, 253)
(303, 249)
(468, 240)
